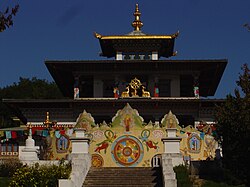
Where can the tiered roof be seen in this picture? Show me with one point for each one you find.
(137, 41)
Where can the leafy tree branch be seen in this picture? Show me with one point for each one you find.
(6, 17)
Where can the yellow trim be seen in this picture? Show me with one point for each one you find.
(99, 36)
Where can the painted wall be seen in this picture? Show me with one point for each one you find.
(128, 141)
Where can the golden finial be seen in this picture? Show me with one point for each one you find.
(47, 122)
(137, 24)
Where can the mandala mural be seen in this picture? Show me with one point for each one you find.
(127, 151)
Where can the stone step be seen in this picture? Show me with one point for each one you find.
(122, 185)
(125, 168)
(113, 172)
(123, 174)
(146, 177)
(118, 177)
(121, 181)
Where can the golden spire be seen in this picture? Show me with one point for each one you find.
(137, 24)
(47, 121)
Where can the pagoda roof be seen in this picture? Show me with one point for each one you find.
(137, 41)
(209, 71)
(163, 44)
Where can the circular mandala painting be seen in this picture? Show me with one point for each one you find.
(97, 161)
(127, 151)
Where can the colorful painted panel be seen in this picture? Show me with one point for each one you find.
(128, 141)
(194, 143)
(127, 151)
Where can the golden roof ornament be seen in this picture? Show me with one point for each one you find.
(47, 123)
(137, 24)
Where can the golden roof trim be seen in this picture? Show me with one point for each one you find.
(99, 36)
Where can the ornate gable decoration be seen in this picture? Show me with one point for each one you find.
(127, 118)
(85, 121)
(170, 120)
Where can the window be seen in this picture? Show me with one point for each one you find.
(9, 149)
(137, 56)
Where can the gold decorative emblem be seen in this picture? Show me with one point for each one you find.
(97, 161)
(135, 89)
(135, 85)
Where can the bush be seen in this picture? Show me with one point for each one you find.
(40, 176)
(9, 166)
(182, 176)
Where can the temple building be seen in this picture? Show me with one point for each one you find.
(125, 103)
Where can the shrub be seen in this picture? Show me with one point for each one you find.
(40, 176)
(9, 166)
(182, 176)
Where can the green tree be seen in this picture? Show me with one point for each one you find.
(26, 89)
(233, 128)
(6, 17)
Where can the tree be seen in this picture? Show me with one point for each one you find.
(31, 89)
(26, 89)
(247, 26)
(233, 127)
(6, 17)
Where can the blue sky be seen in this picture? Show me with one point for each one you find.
(63, 30)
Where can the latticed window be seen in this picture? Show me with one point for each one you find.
(136, 56)
(9, 149)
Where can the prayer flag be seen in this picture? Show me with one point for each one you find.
(13, 134)
(8, 134)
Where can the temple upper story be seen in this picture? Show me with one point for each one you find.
(137, 57)
(137, 45)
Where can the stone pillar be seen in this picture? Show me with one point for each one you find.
(80, 144)
(80, 159)
(168, 171)
(172, 146)
(171, 157)
(30, 152)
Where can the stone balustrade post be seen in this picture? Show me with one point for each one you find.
(80, 160)
(171, 157)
